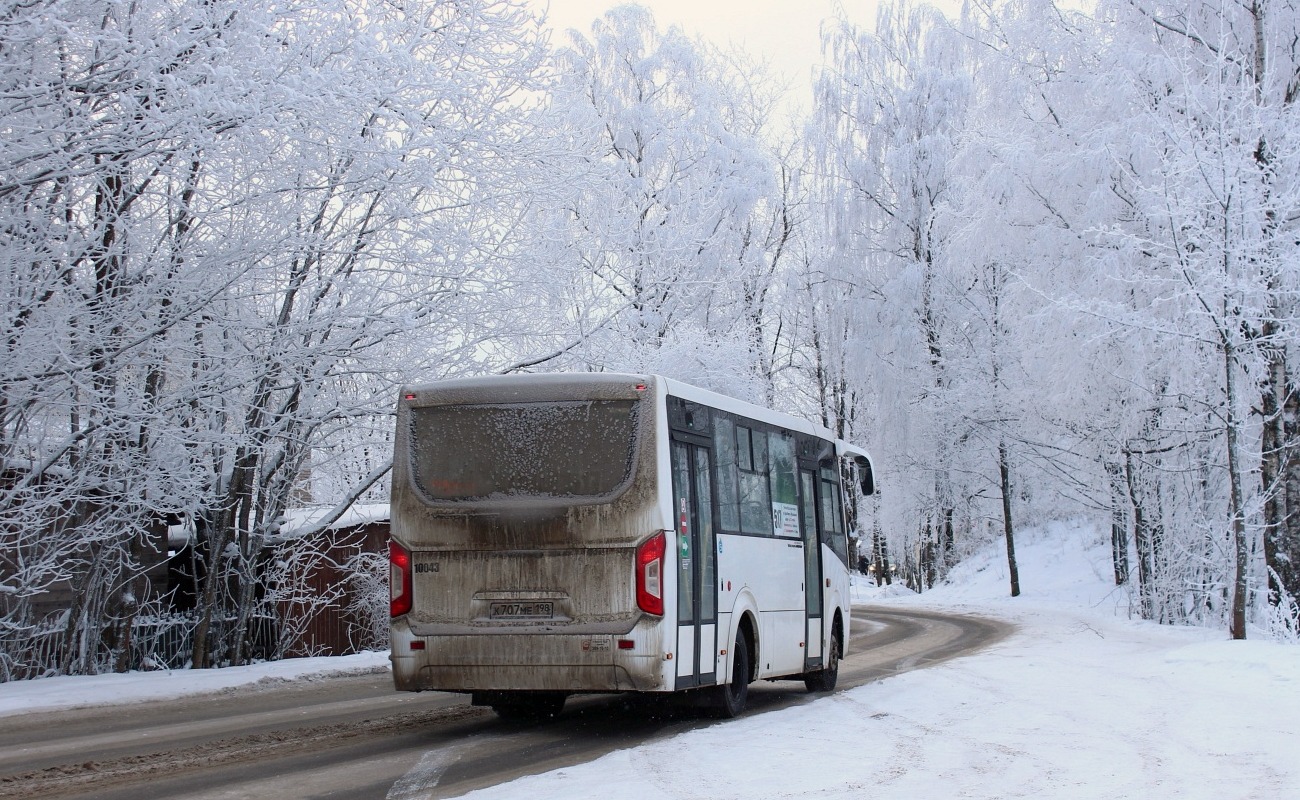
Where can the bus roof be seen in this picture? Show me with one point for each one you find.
(688, 391)
(672, 386)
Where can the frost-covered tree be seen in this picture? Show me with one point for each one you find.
(220, 223)
(668, 229)
(395, 194)
(1067, 237)
(891, 105)
(1133, 150)
(1217, 215)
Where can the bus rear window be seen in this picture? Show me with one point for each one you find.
(579, 451)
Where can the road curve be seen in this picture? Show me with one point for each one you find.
(354, 737)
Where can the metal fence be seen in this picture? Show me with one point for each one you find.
(158, 641)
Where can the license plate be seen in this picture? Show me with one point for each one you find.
(536, 610)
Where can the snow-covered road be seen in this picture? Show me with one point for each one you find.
(346, 736)
(1079, 702)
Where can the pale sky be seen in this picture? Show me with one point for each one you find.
(786, 32)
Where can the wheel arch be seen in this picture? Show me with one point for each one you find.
(837, 626)
(748, 627)
(744, 616)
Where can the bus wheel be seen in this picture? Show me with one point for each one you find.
(730, 698)
(530, 706)
(823, 680)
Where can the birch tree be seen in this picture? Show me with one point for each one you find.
(1213, 222)
(890, 106)
(1166, 110)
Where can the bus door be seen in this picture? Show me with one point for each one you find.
(697, 567)
(812, 568)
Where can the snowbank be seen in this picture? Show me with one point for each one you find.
(48, 694)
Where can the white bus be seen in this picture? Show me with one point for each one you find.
(583, 533)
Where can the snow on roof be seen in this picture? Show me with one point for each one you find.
(297, 522)
(300, 521)
(180, 534)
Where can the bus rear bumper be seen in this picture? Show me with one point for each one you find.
(612, 678)
(540, 662)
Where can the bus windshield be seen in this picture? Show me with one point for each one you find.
(571, 451)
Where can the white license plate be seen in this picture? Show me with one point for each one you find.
(534, 610)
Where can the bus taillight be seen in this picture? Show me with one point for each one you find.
(649, 574)
(399, 579)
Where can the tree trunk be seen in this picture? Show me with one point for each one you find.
(213, 536)
(1004, 475)
(1236, 509)
(949, 537)
(1280, 479)
(880, 555)
(1141, 540)
(1285, 545)
(928, 572)
(1277, 454)
(1119, 523)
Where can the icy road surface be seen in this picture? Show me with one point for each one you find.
(352, 736)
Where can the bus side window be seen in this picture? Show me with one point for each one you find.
(724, 449)
(833, 514)
(785, 497)
(755, 494)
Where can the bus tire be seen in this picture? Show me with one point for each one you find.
(823, 680)
(729, 698)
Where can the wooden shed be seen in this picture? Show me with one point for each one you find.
(339, 598)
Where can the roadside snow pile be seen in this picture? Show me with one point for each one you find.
(1080, 702)
(866, 591)
(1061, 565)
(48, 694)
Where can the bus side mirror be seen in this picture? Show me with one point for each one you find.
(865, 478)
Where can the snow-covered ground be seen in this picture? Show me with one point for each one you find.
(1081, 702)
(52, 694)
